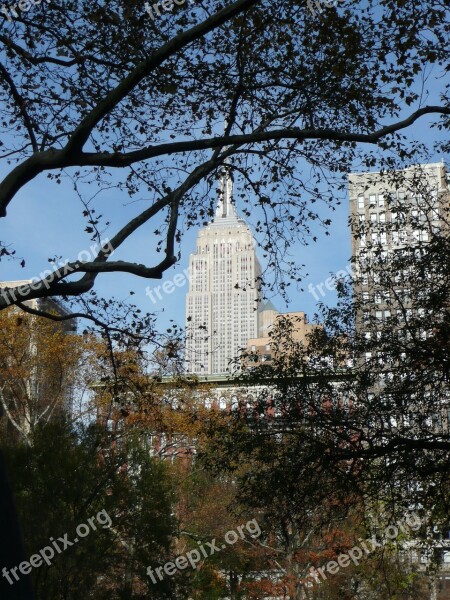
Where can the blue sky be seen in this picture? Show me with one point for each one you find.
(45, 220)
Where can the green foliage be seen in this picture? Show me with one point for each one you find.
(70, 475)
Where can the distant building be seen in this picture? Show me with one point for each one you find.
(267, 318)
(222, 304)
(393, 218)
(44, 304)
(389, 213)
(263, 349)
(42, 389)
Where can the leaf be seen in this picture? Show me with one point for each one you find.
(169, 88)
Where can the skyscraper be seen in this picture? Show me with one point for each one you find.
(400, 239)
(222, 304)
(391, 215)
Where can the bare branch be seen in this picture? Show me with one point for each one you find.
(10, 417)
(123, 160)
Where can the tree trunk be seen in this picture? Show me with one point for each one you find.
(234, 582)
(11, 546)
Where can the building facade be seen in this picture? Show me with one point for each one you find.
(391, 215)
(222, 305)
(400, 231)
(264, 348)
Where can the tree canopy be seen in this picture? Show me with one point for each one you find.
(289, 97)
(366, 401)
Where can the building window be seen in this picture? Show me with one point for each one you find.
(360, 202)
(380, 200)
(372, 200)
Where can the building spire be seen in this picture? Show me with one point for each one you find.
(225, 207)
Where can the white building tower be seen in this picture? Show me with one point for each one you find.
(222, 304)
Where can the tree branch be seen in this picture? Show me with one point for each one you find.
(84, 129)
(10, 417)
(36, 60)
(58, 159)
(21, 106)
(123, 160)
(53, 285)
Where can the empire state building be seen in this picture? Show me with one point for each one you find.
(222, 304)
